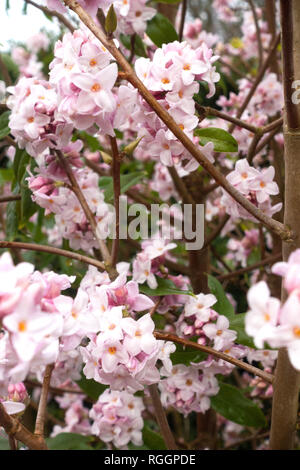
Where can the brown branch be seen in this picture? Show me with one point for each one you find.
(15, 429)
(40, 419)
(180, 186)
(252, 148)
(57, 15)
(286, 15)
(117, 191)
(10, 197)
(220, 355)
(86, 209)
(270, 260)
(258, 35)
(54, 390)
(266, 140)
(54, 251)
(283, 231)
(208, 111)
(161, 418)
(182, 19)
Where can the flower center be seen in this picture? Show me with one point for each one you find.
(219, 332)
(165, 80)
(112, 326)
(138, 13)
(96, 87)
(112, 350)
(93, 62)
(186, 67)
(30, 119)
(267, 317)
(189, 382)
(296, 331)
(22, 326)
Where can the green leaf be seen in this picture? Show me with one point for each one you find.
(238, 324)
(69, 441)
(233, 405)
(164, 287)
(153, 440)
(222, 140)
(160, 30)
(12, 219)
(223, 306)
(6, 175)
(106, 183)
(91, 388)
(4, 445)
(139, 46)
(184, 355)
(111, 21)
(4, 127)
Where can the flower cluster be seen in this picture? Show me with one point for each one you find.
(51, 192)
(256, 185)
(132, 15)
(187, 388)
(33, 121)
(268, 320)
(32, 324)
(171, 76)
(117, 418)
(84, 77)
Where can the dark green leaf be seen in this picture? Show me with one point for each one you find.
(4, 127)
(233, 405)
(6, 175)
(185, 356)
(106, 183)
(12, 219)
(160, 30)
(164, 287)
(91, 388)
(111, 21)
(139, 46)
(153, 440)
(69, 441)
(238, 324)
(222, 140)
(223, 306)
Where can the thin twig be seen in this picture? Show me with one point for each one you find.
(86, 209)
(40, 418)
(182, 19)
(10, 197)
(270, 260)
(53, 250)
(61, 18)
(258, 34)
(220, 355)
(283, 231)
(14, 428)
(117, 191)
(161, 418)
